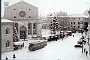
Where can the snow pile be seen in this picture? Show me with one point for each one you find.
(18, 43)
(45, 33)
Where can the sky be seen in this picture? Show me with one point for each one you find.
(48, 6)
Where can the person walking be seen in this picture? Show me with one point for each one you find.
(6, 58)
(14, 56)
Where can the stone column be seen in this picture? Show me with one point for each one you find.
(26, 30)
(32, 29)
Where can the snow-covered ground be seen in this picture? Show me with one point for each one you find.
(55, 50)
(45, 33)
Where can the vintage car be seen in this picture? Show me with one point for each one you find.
(78, 45)
(37, 45)
(53, 38)
(79, 42)
(69, 33)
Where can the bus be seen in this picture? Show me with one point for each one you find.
(37, 45)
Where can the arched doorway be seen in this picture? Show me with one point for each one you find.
(23, 32)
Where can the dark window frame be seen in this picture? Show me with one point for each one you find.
(14, 16)
(14, 9)
(29, 16)
(29, 9)
(7, 43)
(7, 30)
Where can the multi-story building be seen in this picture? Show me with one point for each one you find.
(25, 18)
(77, 21)
(86, 45)
(72, 22)
(6, 35)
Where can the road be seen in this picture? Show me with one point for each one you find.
(55, 50)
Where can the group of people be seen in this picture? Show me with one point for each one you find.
(13, 57)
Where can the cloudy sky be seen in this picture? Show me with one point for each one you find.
(48, 6)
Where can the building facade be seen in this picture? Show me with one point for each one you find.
(6, 35)
(77, 21)
(70, 23)
(63, 22)
(25, 18)
(86, 46)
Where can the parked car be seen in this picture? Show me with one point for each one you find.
(49, 38)
(78, 45)
(79, 42)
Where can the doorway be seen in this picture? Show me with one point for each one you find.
(23, 32)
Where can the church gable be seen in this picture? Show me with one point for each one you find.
(22, 3)
(21, 10)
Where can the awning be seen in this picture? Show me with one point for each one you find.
(18, 43)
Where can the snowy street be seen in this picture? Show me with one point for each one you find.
(55, 50)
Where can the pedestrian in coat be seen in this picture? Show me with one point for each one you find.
(6, 58)
(14, 56)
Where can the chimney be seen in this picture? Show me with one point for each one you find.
(6, 4)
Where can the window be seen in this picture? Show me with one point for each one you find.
(29, 16)
(7, 43)
(29, 9)
(71, 22)
(74, 26)
(34, 25)
(82, 22)
(78, 22)
(7, 30)
(78, 26)
(29, 25)
(14, 16)
(29, 28)
(74, 22)
(66, 22)
(68, 27)
(79, 18)
(71, 18)
(14, 9)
